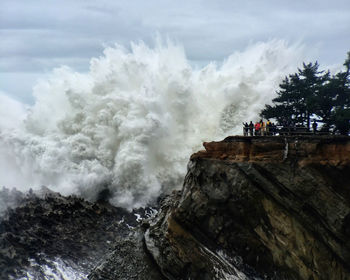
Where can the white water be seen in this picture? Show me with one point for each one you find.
(131, 123)
(54, 270)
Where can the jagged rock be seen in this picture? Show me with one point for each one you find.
(52, 228)
(128, 261)
(282, 204)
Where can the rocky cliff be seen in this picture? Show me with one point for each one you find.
(250, 208)
(281, 205)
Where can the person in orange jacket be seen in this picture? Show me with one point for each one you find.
(257, 128)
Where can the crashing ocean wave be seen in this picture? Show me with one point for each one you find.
(130, 124)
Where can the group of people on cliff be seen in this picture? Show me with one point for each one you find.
(269, 128)
(260, 128)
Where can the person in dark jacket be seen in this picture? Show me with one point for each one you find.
(251, 128)
(314, 127)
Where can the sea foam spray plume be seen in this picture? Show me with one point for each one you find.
(130, 124)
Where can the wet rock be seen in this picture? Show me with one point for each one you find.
(128, 261)
(48, 228)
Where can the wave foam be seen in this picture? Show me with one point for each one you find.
(130, 124)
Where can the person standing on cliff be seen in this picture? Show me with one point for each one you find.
(257, 128)
(268, 128)
(262, 128)
(314, 127)
(251, 128)
(245, 129)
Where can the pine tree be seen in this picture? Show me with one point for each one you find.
(312, 93)
(311, 85)
(295, 101)
(340, 116)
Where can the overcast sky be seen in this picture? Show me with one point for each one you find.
(39, 35)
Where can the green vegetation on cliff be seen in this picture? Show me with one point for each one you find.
(311, 93)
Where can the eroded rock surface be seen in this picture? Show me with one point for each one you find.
(129, 261)
(282, 204)
(55, 237)
(184, 252)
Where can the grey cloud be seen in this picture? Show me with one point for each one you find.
(38, 35)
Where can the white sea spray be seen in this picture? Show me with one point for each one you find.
(55, 270)
(131, 123)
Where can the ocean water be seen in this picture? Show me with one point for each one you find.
(54, 270)
(130, 124)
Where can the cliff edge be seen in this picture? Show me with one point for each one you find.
(282, 205)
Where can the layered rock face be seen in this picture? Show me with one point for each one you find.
(270, 206)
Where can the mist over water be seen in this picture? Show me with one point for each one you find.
(130, 124)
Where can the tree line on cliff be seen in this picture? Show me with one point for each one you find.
(312, 94)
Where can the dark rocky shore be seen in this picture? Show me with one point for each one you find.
(250, 208)
(49, 226)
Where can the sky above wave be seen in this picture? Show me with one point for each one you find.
(39, 35)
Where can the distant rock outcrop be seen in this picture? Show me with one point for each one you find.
(49, 236)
